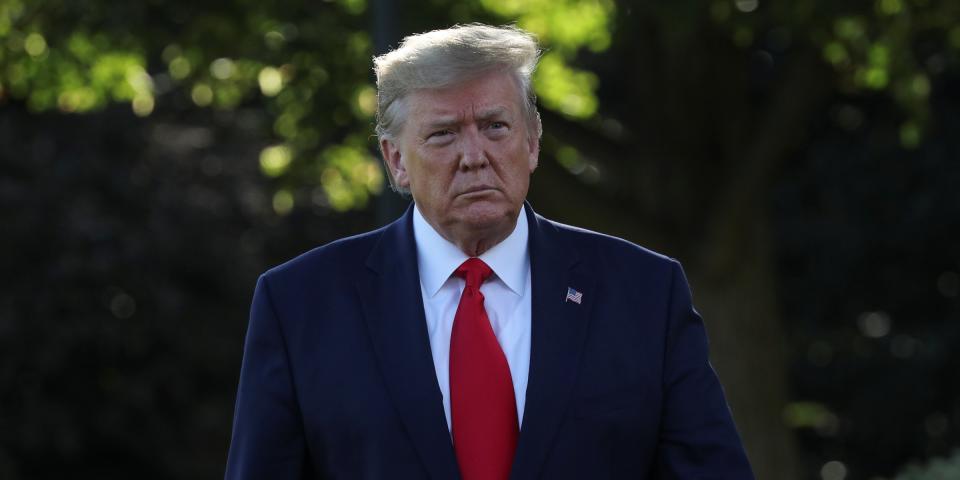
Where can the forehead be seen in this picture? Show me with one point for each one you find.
(491, 93)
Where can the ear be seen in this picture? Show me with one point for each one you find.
(394, 161)
(533, 144)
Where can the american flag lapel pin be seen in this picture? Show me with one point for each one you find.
(574, 296)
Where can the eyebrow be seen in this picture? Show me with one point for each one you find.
(449, 121)
(440, 123)
(491, 113)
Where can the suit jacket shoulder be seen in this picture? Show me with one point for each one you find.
(339, 258)
(613, 256)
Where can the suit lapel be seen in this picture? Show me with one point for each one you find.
(557, 337)
(393, 309)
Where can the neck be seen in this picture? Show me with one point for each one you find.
(474, 242)
(474, 247)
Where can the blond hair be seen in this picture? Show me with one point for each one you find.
(444, 58)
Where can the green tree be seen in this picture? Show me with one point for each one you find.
(704, 102)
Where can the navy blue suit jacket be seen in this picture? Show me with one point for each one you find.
(338, 380)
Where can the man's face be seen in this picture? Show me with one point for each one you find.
(466, 154)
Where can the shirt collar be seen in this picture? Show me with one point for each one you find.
(437, 258)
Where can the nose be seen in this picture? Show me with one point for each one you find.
(472, 155)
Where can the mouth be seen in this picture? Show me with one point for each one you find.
(478, 190)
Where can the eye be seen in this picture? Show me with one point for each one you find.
(440, 133)
(497, 129)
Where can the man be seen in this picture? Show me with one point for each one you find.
(473, 338)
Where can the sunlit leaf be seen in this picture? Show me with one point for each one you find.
(275, 160)
(565, 89)
(283, 202)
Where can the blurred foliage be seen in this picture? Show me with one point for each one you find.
(309, 64)
(869, 274)
(891, 46)
(563, 28)
(939, 469)
(280, 56)
(306, 64)
(132, 246)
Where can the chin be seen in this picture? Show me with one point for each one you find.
(488, 217)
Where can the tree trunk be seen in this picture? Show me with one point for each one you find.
(748, 348)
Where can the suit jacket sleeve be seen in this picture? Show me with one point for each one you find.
(268, 437)
(698, 438)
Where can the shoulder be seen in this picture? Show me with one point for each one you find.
(339, 260)
(610, 251)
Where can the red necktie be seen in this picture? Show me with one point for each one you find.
(482, 404)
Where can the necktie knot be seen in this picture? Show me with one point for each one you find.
(474, 271)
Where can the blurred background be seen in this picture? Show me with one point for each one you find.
(801, 159)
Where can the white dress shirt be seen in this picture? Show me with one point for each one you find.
(506, 299)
